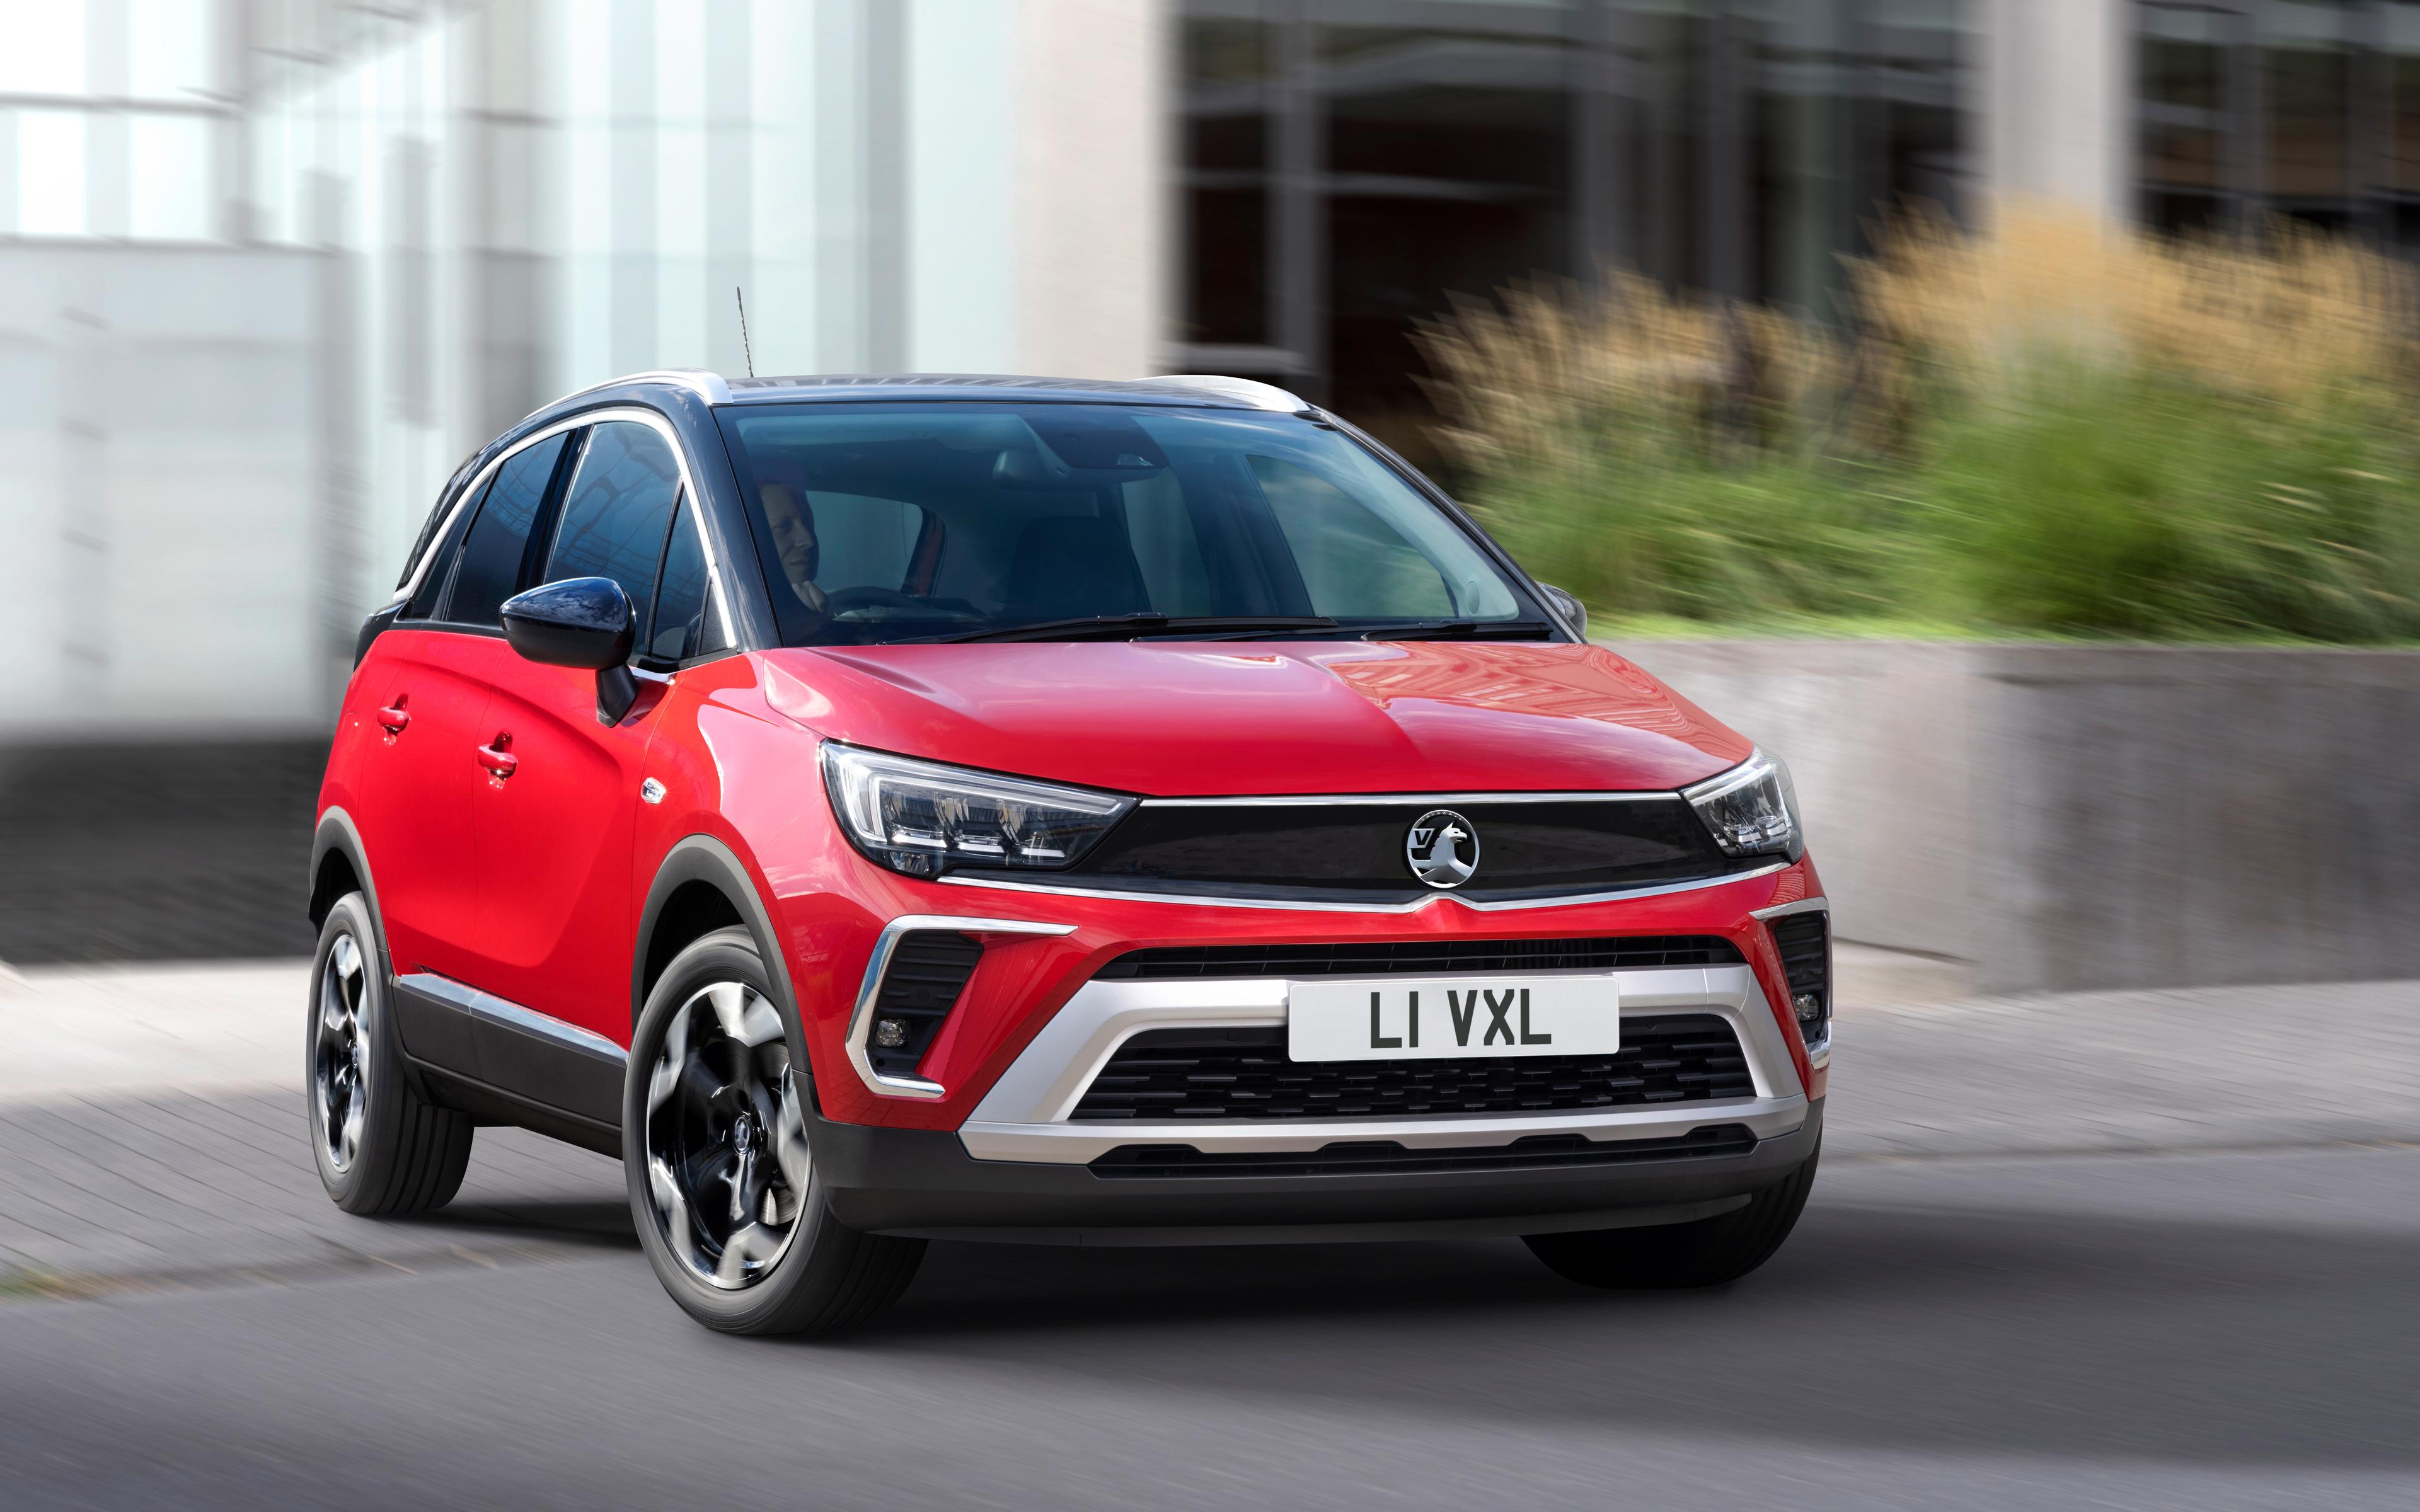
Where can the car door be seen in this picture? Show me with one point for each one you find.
(413, 794)
(552, 840)
(425, 682)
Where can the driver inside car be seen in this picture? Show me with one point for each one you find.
(793, 522)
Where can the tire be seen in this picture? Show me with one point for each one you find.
(723, 1188)
(1707, 1253)
(381, 1148)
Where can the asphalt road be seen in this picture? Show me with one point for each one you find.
(2204, 1331)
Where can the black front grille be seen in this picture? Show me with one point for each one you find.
(1385, 1158)
(1425, 957)
(929, 970)
(1805, 944)
(1209, 1075)
(1356, 850)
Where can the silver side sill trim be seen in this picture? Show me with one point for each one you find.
(513, 1015)
(886, 945)
(1024, 1115)
(1499, 905)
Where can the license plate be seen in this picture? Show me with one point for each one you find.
(1453, 1018)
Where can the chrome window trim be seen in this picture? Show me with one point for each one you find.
(638, 413)
(484, 1005)
(1024, 1115)
(861, 1018)
(1442, 800)
(1412, 905)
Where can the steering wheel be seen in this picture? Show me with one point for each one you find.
(841, 600)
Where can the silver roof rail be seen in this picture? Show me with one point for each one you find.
(1259, 395)
(708, 386)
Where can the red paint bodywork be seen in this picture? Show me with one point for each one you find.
(560, 856)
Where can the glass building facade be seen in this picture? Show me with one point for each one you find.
(2247, 109)
(1351, 166)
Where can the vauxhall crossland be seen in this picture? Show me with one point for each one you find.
(888, 808)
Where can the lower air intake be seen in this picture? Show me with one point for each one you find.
(1195, 1076)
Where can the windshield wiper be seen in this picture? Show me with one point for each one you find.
(1461, 630)
(1132, 626)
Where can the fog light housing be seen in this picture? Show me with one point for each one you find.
(1804, 942)
(927, 973)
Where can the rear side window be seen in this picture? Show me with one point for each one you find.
(440, 567)
(614, 515)
(494, 554)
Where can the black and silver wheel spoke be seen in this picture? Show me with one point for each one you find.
(340, 1090)
(727, 1163)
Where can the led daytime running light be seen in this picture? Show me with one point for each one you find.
(922, 818)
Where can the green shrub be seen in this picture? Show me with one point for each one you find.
(2064, 431)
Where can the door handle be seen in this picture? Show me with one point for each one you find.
(498, 758)
(394, 717)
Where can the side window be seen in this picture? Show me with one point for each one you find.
(489, 570)
(441, 566)
(614, 513)
(683, 623)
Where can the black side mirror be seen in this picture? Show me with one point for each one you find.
(1569, 606)
(579, 622)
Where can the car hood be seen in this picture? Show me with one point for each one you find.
(1197, 719)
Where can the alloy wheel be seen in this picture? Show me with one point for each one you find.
(726, 1139)
(340, 1100)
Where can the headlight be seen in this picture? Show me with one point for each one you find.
(922, 817)
(1752, 809)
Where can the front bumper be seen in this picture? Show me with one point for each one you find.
(1025, 1115)
(1021, 1167)
(924, 1183)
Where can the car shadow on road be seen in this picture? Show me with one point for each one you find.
(600, 1224)
(1952, 1329)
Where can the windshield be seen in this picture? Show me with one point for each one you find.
(973, 521)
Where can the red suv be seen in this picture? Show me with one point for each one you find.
(1127, 812)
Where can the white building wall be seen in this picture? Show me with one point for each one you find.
(929, 185)
(1092, 112)
(159, 456)
(2055, 106)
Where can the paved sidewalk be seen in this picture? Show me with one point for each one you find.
(151, 1127)
(152, 1135)
(197, 1027)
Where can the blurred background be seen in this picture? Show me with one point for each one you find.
(1909, 321)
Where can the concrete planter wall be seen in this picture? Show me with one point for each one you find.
(2076, 817)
